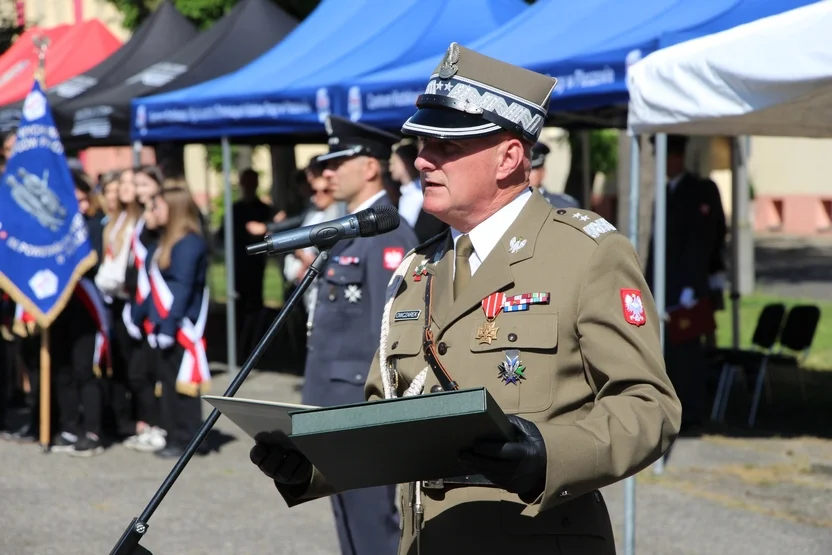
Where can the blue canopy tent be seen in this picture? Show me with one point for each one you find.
(586, 45)
(285, 90)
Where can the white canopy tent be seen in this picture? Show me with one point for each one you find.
(772, 77)
(769, 77)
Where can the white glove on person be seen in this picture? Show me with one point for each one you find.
(687, 299)
(133, 331)
(151, 340)
(164, 341)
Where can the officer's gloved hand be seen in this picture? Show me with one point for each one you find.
(281, 463)
(151, 340)
(164, 341)
(517, 466)
(687, 298)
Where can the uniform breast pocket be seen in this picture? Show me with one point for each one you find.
(344, 287)
(404, 350)
(519, 358)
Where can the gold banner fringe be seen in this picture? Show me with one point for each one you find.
(45, 320)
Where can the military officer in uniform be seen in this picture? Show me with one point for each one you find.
(538, 173)
(346, 323)
(546, 307)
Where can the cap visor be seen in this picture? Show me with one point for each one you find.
(346, 153)
(444, 123)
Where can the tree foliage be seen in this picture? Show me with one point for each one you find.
(202, 12)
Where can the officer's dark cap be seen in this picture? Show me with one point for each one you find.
(471, 95)
(348, 138)
(539, 152)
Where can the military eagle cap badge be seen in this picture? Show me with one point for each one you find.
(449, 65)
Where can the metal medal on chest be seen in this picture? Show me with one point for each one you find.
(512, 369)
(352, 293)
(491, 306)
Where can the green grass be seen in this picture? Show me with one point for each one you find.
(820, 355)
(272, 288)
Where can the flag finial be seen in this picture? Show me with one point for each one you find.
(41, 43)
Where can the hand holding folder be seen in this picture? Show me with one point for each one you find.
(686, 324)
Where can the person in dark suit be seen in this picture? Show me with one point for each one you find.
(538, 174)
(404, 171)
(249, 271)
(688, 252)
(346, 325)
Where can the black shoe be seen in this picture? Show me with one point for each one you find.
(64, 443)
(88, 445)
(24, 434)
(170, 452)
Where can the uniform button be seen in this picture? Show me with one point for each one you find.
(561, 212)
(443, 348)
(395, 344)
(358, 376)
(512, 337)
(436, 389)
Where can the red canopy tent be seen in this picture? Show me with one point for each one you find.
(21, 54)
(73, 51)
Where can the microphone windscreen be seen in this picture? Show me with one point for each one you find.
(380, 219)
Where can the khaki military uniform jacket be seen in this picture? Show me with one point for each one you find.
(594, 380)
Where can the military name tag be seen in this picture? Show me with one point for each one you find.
(407, 315)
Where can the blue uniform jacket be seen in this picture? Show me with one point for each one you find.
(185, 277)
(347, 317)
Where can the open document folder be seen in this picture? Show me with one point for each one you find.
(391, 441)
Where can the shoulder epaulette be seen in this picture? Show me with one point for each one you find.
(585, 221)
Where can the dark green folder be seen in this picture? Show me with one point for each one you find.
(400, 440)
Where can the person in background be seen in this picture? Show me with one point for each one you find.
(403, 170)
(346, 321)
(141, 366)
(9, 138)
(78, 341)
(688, 250)
(177, 311)
(124, 212)
(538, 174)
(249, 271)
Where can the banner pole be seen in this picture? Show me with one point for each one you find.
(45, 391)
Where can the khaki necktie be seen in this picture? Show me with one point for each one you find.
(462, 273)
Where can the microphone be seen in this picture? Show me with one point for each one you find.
(367, 223)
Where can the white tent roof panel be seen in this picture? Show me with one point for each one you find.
(769, 77)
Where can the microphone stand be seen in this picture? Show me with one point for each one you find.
(128, 544)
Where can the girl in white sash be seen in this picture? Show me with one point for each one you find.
(177, 309)
(141, 366)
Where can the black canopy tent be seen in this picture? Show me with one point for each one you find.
(102, 118)
(165, 31)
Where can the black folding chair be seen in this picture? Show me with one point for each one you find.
(797, 336)
(765, 336)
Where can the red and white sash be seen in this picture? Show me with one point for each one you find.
(194, 376)
(91, 298)
(142, 283)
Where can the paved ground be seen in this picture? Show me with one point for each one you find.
(794, 266)
(717, 497)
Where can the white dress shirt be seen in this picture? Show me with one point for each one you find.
(410, 203)
(369, 202)
(486, 235)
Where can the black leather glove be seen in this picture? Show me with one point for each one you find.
(281, 462)
(517, 466)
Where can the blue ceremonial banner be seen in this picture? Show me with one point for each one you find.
(44, 246)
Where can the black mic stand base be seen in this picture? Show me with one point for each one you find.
(128, 544)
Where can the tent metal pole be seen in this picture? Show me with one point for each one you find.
(659, 247)
(630, 483)
(230, 286)
(137, 154)
(587, 179)
(739, 208)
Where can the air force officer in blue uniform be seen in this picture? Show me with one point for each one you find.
(346, 324)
